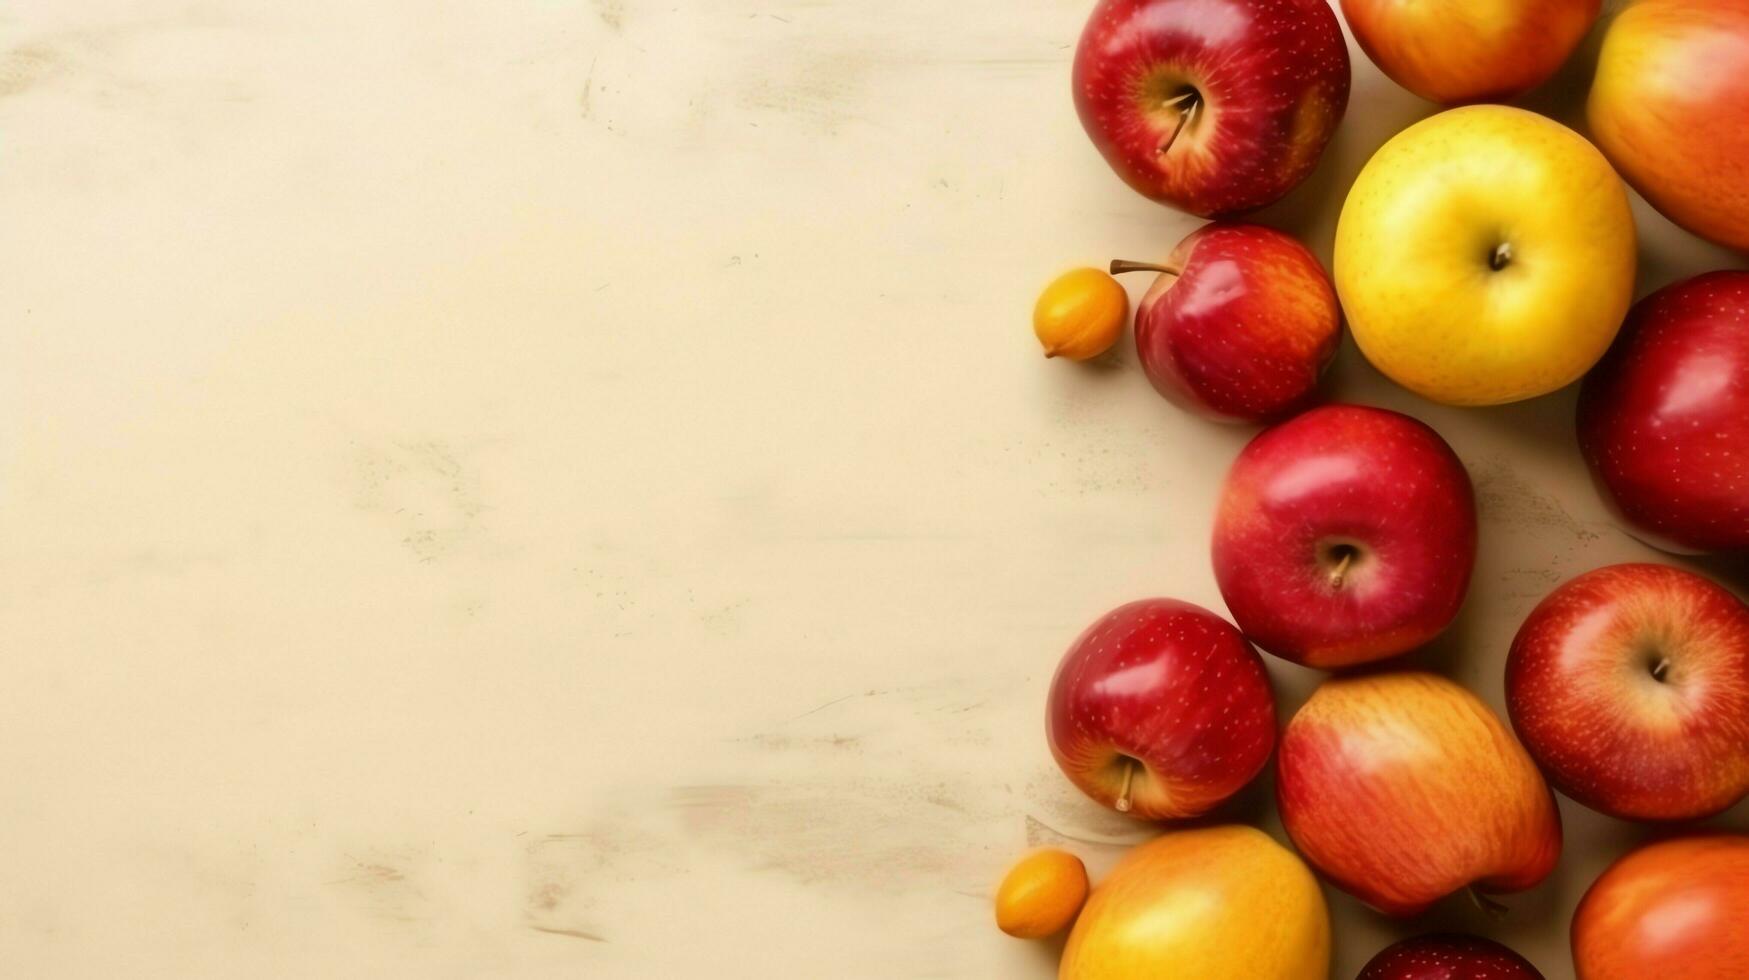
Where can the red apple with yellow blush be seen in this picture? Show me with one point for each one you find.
(1212, 106)
(1673, 910)
(1240, 324)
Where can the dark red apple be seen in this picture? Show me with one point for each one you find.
(1212, 106)
(1345, 535)
(1664, 417)
(1630, 687)
(1162, 710)
(1448, 957)
(1240, 324)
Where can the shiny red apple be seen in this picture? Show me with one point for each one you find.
(1212, 106)
(1630, 687)
(1689, 154)
(1161, 710)
(1674, 910)
(1404, 787)
(1448, 957)
(1240, 324)
(1664, 417)
(1345, 535)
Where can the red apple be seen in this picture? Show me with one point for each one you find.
(1345, 535)
(1664, 417)
(1211, 106)
(1670, 108)
(1675, 910)
(1630, 687)
(1456, 51)
(1240, 324)
(1403, 788)
(1162, 710)
(1448, 957)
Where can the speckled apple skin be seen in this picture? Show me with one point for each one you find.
(1582, 697)
(1663, 419)
(1273, 75)
(1245, 332)
(1404, 787)
(1448, 956)
(1174, 686)
(1346, 473)
(1674, 910)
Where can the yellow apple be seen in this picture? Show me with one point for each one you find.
(1485, 255)
(1210, 904)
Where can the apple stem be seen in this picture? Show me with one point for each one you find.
(1340, 572)
(1123, 796)
(1121, 266)
(1488, 906)
(1660, 669)
(1184, 115)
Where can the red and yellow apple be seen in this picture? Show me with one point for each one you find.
(1404, 787)
(1663, 420)
(1630, 687)
(1670, 107)
(1221, 902)
(1456, 51)
(1212, 106)
(1239, 325)
(1674, 910)
(1161, 710)
(1345, 535)
(1485, 255)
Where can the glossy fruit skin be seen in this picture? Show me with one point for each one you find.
(1456, 51)
(1272, 79)
(1345, 476)
(1080, 314)
(1689, 156)
(1448, 957)
(1673, 910)
(1404, 787)
(1432, 214)
(1210, 904)
(1172, 686)
(1041, 895)
(1582, 695)
(1663, 421)
(1245, 331)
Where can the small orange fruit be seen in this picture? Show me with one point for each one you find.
(1080, 314)
(1041, 895)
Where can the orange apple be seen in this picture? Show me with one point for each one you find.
(1201, 905)
(1675, 910)
(1456, 51)
(1670, 108)
(1403, 788)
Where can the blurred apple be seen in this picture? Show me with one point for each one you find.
(1212, 106)
(1674, 910)
(1630, 687)
(1219, 902)
(1239, 325)
(1664, 419)
(1670, 106)
(1485, 255)
(1403, 788)
(1161, 710)
(1448, 957)
(1345, 535)
(1455, 51)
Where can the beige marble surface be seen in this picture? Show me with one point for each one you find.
(540, 488)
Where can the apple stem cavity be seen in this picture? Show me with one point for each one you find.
(1501, 257)
(1123, 796)
(1121, 266)
(1488, 907)
(1660, 669)
(1339, 574)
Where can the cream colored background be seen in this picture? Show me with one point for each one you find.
(540, 488)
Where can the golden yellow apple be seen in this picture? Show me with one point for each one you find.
(1210, 904)
(1485, 255)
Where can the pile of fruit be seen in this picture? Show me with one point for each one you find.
(1484, 255)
